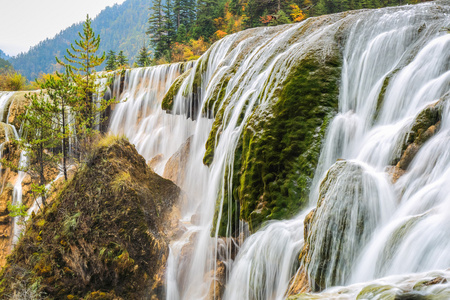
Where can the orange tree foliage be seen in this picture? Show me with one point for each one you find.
(193, 50)
(297, 14)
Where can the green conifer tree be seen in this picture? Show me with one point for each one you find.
(169, 27)
(143, 59)
(62, 94)
(39, 137)
(156, 27)
(111, 61)
(122, 60)
(181, 34)
(81, 63)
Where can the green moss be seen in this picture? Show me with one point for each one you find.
(386, 292)
(214, 134)
(428, 117)
(217, 96)
(200, 68)
(281, 147)
(167, 102)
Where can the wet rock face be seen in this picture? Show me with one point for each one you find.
(175, 168)
(18, 106)
(348, 210)
(104, 234)
(425, 126)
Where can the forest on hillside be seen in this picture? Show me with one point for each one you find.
(181, 30)
(159, 31)
(121, 27)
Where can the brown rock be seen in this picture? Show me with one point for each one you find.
(6, 132)
(299, 283)
(109, 222)
(175, 169)
(217, 286)
(155, 161)
(408, 156)
(395, 173)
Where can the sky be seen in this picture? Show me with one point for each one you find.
(24, 23)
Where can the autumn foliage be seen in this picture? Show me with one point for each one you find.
(297, 14)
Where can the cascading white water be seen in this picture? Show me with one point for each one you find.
(139, 116)
(395, 62)
(17, 225)
(12, 133)
(419, 66)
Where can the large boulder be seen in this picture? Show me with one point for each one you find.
(425, 125)
(175, 168)
(352, 201)
(104, 236)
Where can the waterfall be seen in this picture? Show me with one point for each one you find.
(394, 68)
(11, 132)
(17, 226)
(138, 114)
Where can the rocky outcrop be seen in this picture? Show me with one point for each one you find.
(425, 126)
(347, 212)
(103, 237)
(433, 285)
(281, 147)
(175, 168)
(18, 106)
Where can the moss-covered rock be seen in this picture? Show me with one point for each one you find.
(348, 211)
(103, 236)
(281, 150)
(167, 102)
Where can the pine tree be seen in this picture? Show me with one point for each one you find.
(281, 18)
(38, 126)
(207, 11)
(143, 59)
(122, 60)
(181, 34)
(81, 62)
(111, 61)
(169, 31)
(62, 94)
(156, 27)
(184, 13)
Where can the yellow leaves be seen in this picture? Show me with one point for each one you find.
(220, 34)
(187, 53)
(297, 14)
(199, 46)
(193, 50)
(43, 77)
(220, 23)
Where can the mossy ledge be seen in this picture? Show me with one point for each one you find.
(167, 102)
(103, 236)
(280, 153)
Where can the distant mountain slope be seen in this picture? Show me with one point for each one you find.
(121, 27)
(3, 55)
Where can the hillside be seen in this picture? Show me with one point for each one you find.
(3, 55)
(121, 27)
